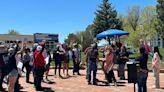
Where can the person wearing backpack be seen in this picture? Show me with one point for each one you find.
(92, 57)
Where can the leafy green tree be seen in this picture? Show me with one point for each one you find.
(160, 18)
(133, 17)
(106, 18)
(72, 38)
(144, 27)
(13, 32)
(88, 37)
(147, 21)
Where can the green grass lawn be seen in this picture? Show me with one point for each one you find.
(71, 62)
(100, 55)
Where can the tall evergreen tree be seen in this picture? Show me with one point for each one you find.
(160, 18)
(106, 18)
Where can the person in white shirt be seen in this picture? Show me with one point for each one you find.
(156, 63)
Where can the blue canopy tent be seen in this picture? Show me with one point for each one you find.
(111, 32)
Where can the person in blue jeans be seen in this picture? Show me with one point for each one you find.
(92, 57)
(143, 73)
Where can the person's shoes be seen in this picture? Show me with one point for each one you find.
(68, 75)
(73, 73)
(30, 82)
(95, 83)
(122, 78)
(79, 74)
(20, 87)
(86, 77)
(97, 79)
(39, 89)
(27, 82)
(154, 87)
(89, 83)
(115, 84)
(60, 76)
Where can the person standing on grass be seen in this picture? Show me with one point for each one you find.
(66, 59)
(156, 63)
(92, 57)
(143, 72)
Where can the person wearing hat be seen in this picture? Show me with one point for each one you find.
(92, 59)
(39, 68)
(143, 73)
(76, 56)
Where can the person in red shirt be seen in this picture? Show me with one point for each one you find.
(39, 67)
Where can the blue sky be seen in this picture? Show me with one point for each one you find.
(55, 16)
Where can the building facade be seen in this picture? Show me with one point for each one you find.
(51, 39)
(157, 41)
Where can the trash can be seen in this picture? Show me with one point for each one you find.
(133, 69)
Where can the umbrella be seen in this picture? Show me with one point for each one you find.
(111, 32)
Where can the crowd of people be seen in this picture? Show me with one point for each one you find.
(37, 60)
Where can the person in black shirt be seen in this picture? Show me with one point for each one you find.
(27, 60)
(124, 57)
(58, 58)
(92, 57)
(3, 52)
(143, 73)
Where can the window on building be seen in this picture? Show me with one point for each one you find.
(7, 41)
(11, 42)
(52, 42)
(30, 42)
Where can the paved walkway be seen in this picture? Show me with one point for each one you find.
(79, 84)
